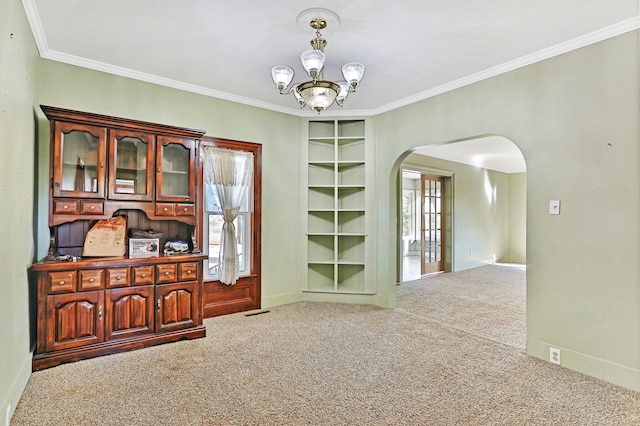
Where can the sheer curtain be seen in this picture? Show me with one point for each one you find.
(230, 173)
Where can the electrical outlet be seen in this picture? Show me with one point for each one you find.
(554, 355)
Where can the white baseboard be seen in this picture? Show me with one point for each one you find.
(280, 299)
(608, 371)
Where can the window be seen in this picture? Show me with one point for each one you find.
(213, 226)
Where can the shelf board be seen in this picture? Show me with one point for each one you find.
(321, 163)
(349, 138)
(350, 262)
(312, 290)
(320, 262)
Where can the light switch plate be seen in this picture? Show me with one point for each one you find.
(554, 207)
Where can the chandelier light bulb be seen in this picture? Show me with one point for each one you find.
(353, 72)
(313, 62)
(282, 76)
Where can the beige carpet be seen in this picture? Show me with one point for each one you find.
(451, 353)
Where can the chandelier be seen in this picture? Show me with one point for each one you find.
(317, 93)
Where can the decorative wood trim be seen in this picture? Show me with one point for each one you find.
(220, 299)
(51, 359)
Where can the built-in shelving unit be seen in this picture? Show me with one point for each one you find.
(336, 197)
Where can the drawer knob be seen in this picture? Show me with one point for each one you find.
(92, 207)
(165, 209)
(117, 277)
(143, 275)
(185, 209)
(166, 274)
(65, 206)
(61, 282)
(91, 280)
(188, 271)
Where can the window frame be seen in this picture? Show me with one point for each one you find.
(254, 214)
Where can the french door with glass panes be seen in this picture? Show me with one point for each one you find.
(432, 224)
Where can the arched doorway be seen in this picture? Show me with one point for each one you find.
(480, 207)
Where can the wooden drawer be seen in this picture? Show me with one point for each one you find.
(65, 206)
(61, 282)
(91, 279)
(91, 207)
(166, 273)
(143, 275)
(165, 209)
(187, 271)
(185, 209)
(117, 277)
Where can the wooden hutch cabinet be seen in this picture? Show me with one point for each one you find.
(101, 167)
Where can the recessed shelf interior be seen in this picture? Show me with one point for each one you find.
(351, 173)
(321, 222)
(321, 150)
(351, 149)
(321, 248)
(351, 249)
(321, 129)
(351, 222)
(321, 198)
(351, 278)
(351, 128)
(321, 277)
(321, 174)
(351, 198)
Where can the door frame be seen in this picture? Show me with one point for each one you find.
(448, 208)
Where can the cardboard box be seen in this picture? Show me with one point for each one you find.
(144, 247)
(106, 238)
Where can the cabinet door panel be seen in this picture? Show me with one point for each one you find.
(78, 160)
(129, 312)
(177, 306)
(175, 169)
(130, 165)
(74, 320)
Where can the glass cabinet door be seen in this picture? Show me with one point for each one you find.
(130, 165)
(79, 161)
(175, 169)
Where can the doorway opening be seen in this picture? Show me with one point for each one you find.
(423, 224)
(462, 205)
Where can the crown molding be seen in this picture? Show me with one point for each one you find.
(576, 43)
(541, 55)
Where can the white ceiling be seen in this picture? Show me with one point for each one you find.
(412, 49)
(490, 152)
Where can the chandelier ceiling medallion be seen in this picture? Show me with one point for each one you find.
(317, 93)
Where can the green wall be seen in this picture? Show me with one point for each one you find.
(517, 218)
(488, 207)
(18, 95)
(576, 118)
(82, 89)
